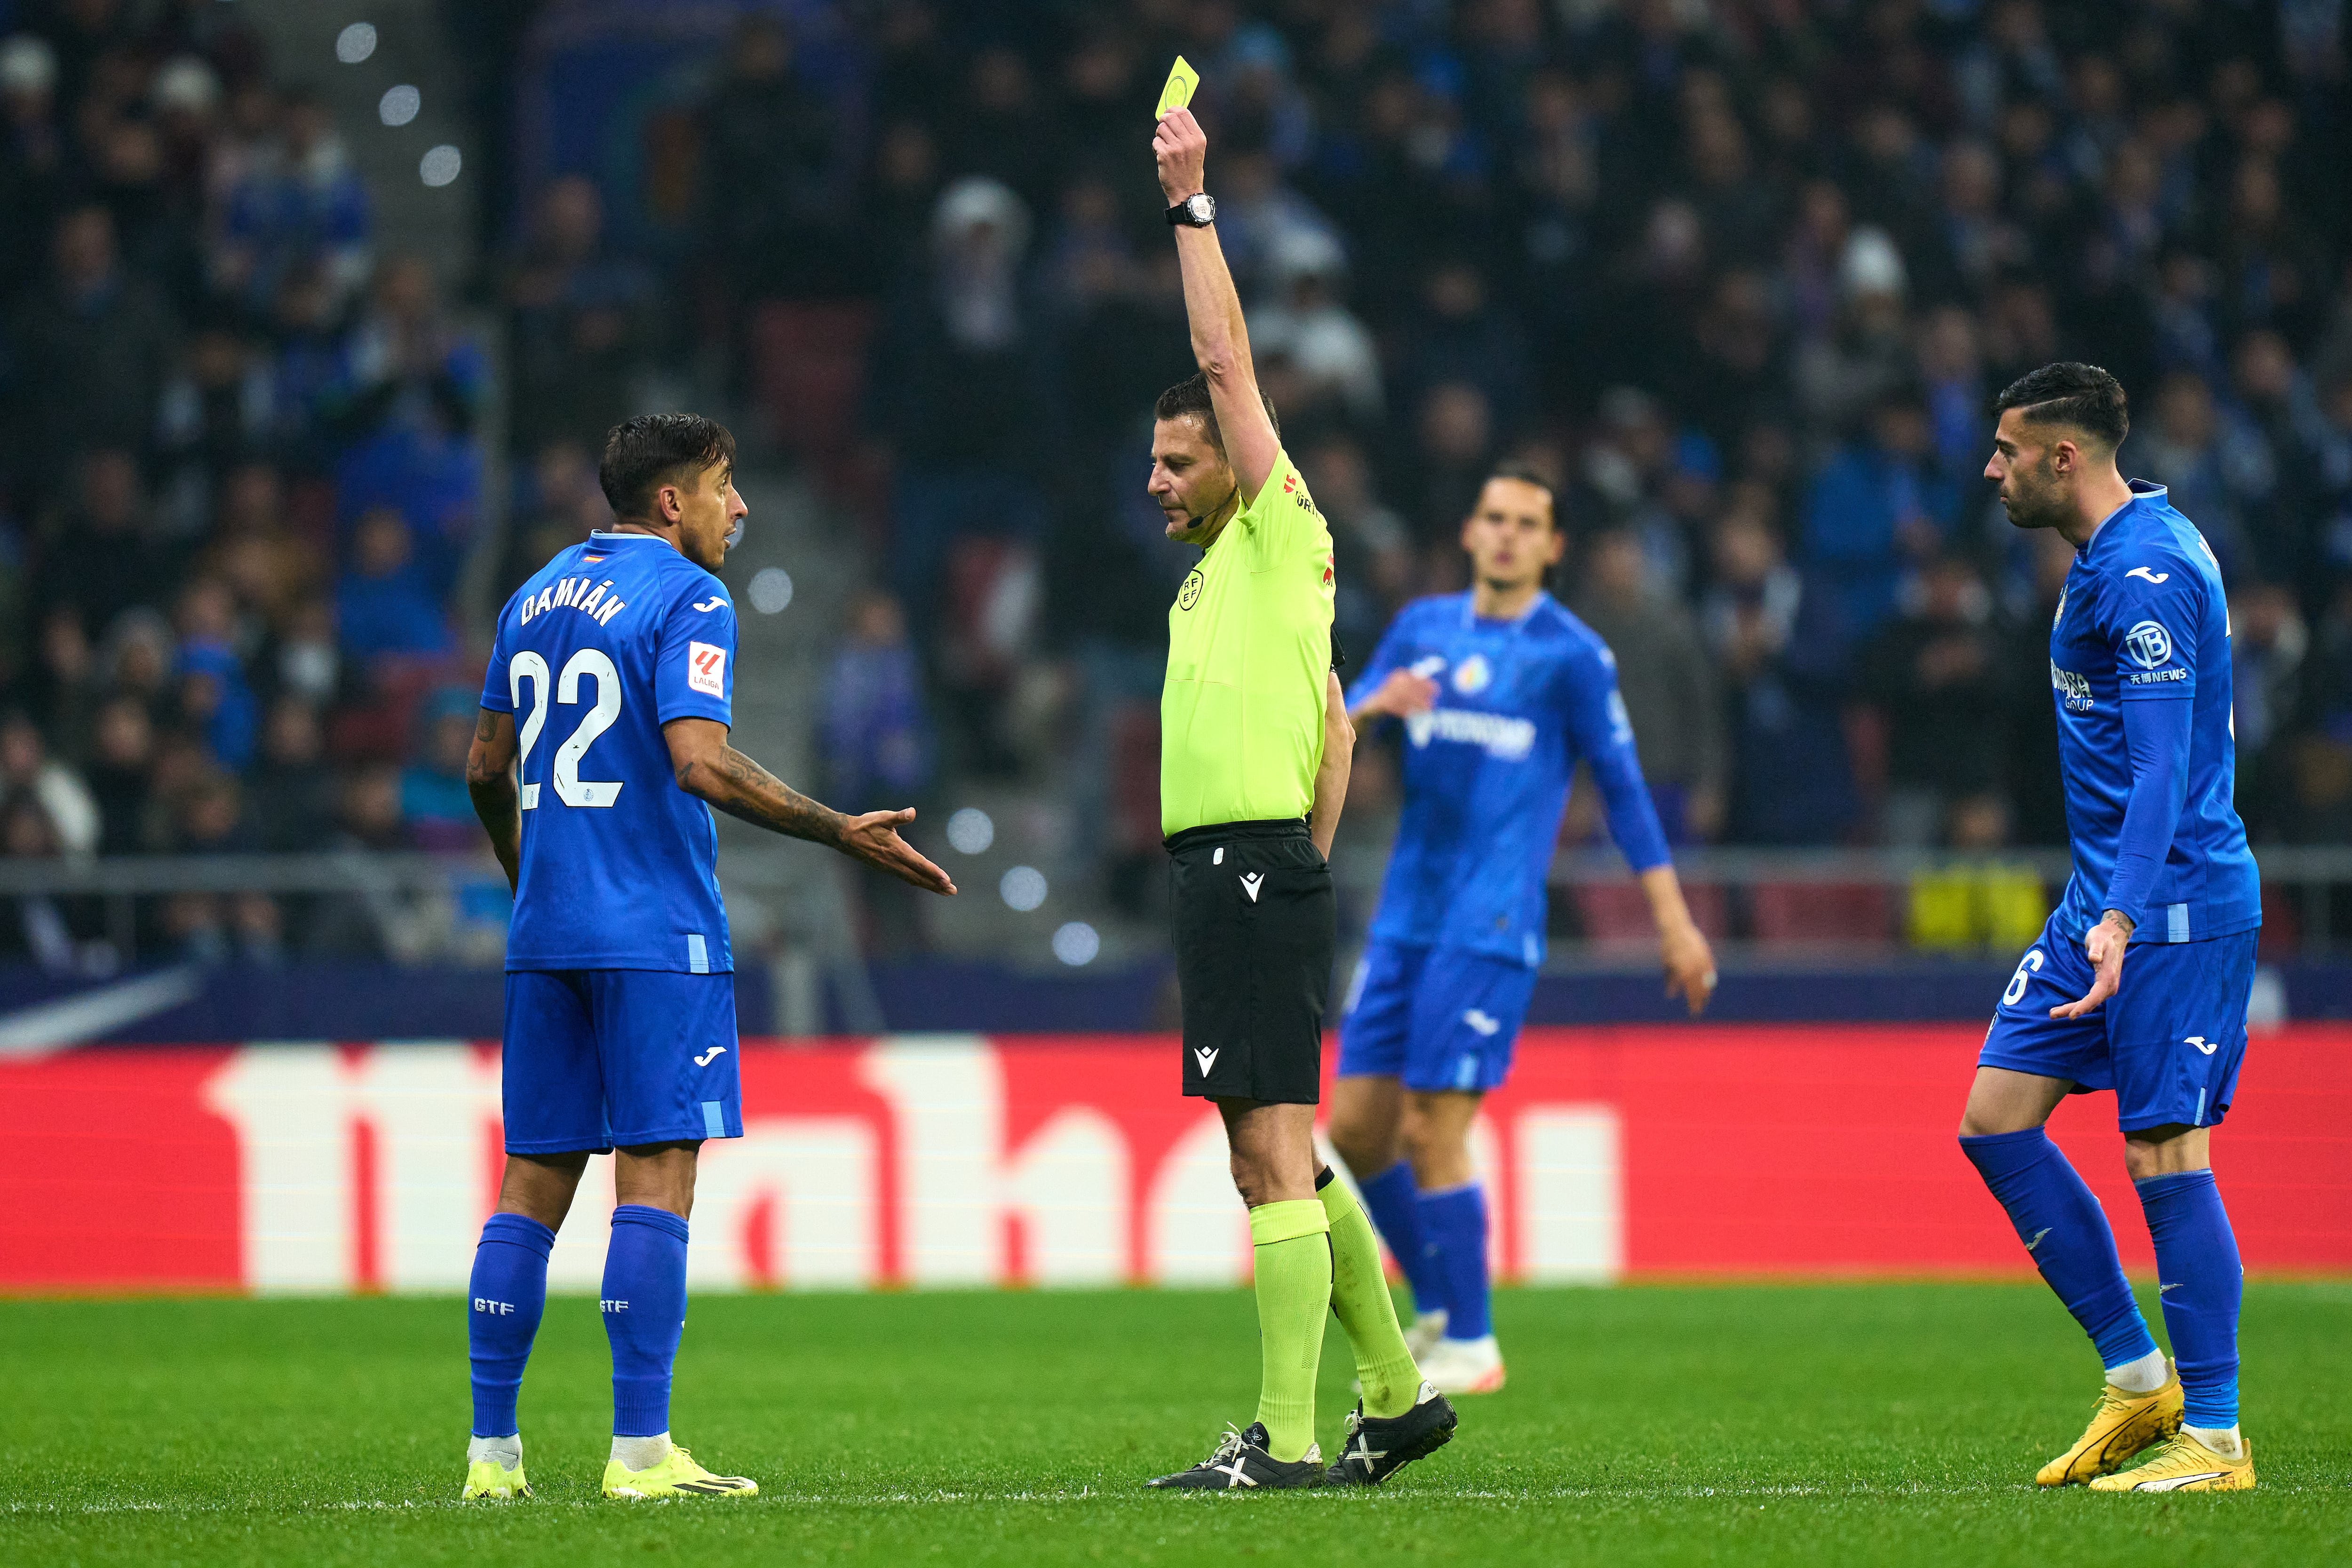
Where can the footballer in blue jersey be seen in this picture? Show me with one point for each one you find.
(2139, 981)
(1500, 692)
(601, 749)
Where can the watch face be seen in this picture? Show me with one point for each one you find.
(1203, 208)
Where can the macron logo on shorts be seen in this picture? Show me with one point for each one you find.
(706, 668)
(1207, 1059)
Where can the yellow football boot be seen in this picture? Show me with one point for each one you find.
(489, 1479)
(2186, 1464)
(676, 1476)
(2124, 1424)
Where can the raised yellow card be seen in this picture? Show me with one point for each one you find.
(1181, 81)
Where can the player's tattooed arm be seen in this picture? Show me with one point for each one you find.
(709, 769)
(490, 781)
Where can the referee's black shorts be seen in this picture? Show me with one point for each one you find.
(1256, 929)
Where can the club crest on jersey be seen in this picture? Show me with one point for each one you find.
(1190, 594)
(1473, 674)
(2148, 644)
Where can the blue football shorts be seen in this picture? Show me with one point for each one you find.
(599, 1058)
(1434, 1018)
(2168, 1041)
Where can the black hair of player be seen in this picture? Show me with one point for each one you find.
(2070, 393)
(1522, 473)
(1190, 398)
(644, 453)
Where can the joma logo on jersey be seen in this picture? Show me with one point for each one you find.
(574, 593)
(2075, 689)
(1500, 735)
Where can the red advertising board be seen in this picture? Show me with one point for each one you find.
(962, 1160)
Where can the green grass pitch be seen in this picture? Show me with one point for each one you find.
(1746, 1425)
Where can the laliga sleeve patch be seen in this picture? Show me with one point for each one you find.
(706, 668)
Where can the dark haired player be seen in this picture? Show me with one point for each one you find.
(2139, 981)
(1501, 692)
(1253, 769)
(602, 748)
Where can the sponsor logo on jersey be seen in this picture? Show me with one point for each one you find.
(706, 668)
(1190, 594)
(2148, 644)
(2204, 1045)
(2157, 676)
(1503, 736)
(2151, 576)
(2074, 689)
(1427, 668)
(1473, 675)
(712, 602)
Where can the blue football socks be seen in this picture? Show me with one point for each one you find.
(508, 1295)
(1455, 1222)
(2064, 1227)
(1395, 1204)
(2199, 1281)
(644, 1314)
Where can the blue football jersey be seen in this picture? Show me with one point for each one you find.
(608, 642)
(1487, 771)
(2144, 619)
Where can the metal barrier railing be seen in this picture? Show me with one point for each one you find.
(2308, 885)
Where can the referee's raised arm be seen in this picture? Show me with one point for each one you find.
(1220, 337)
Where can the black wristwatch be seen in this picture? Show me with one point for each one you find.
(1196, 211)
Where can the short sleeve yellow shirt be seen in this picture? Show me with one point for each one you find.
(1249, 643)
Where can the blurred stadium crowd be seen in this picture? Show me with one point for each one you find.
(1742, 277)
(1741, 274)
(238, 478)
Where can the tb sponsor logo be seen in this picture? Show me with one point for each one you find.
(2148, 644)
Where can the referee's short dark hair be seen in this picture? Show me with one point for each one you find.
(1189, 396)
(2070, 393)
(644, 453)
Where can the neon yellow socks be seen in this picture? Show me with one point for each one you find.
(1293, 1287)
(1359, 1294)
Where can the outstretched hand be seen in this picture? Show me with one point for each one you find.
(1403, 693)
(874, 839)
(2104, 946)
(1180, 148)
(1690, 965)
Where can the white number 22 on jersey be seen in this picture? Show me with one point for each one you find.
(570, 788)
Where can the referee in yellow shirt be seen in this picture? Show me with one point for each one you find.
(1254, 747)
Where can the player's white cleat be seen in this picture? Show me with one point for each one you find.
(1463, 1366)
(494, 1470)
(1428, 1327)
